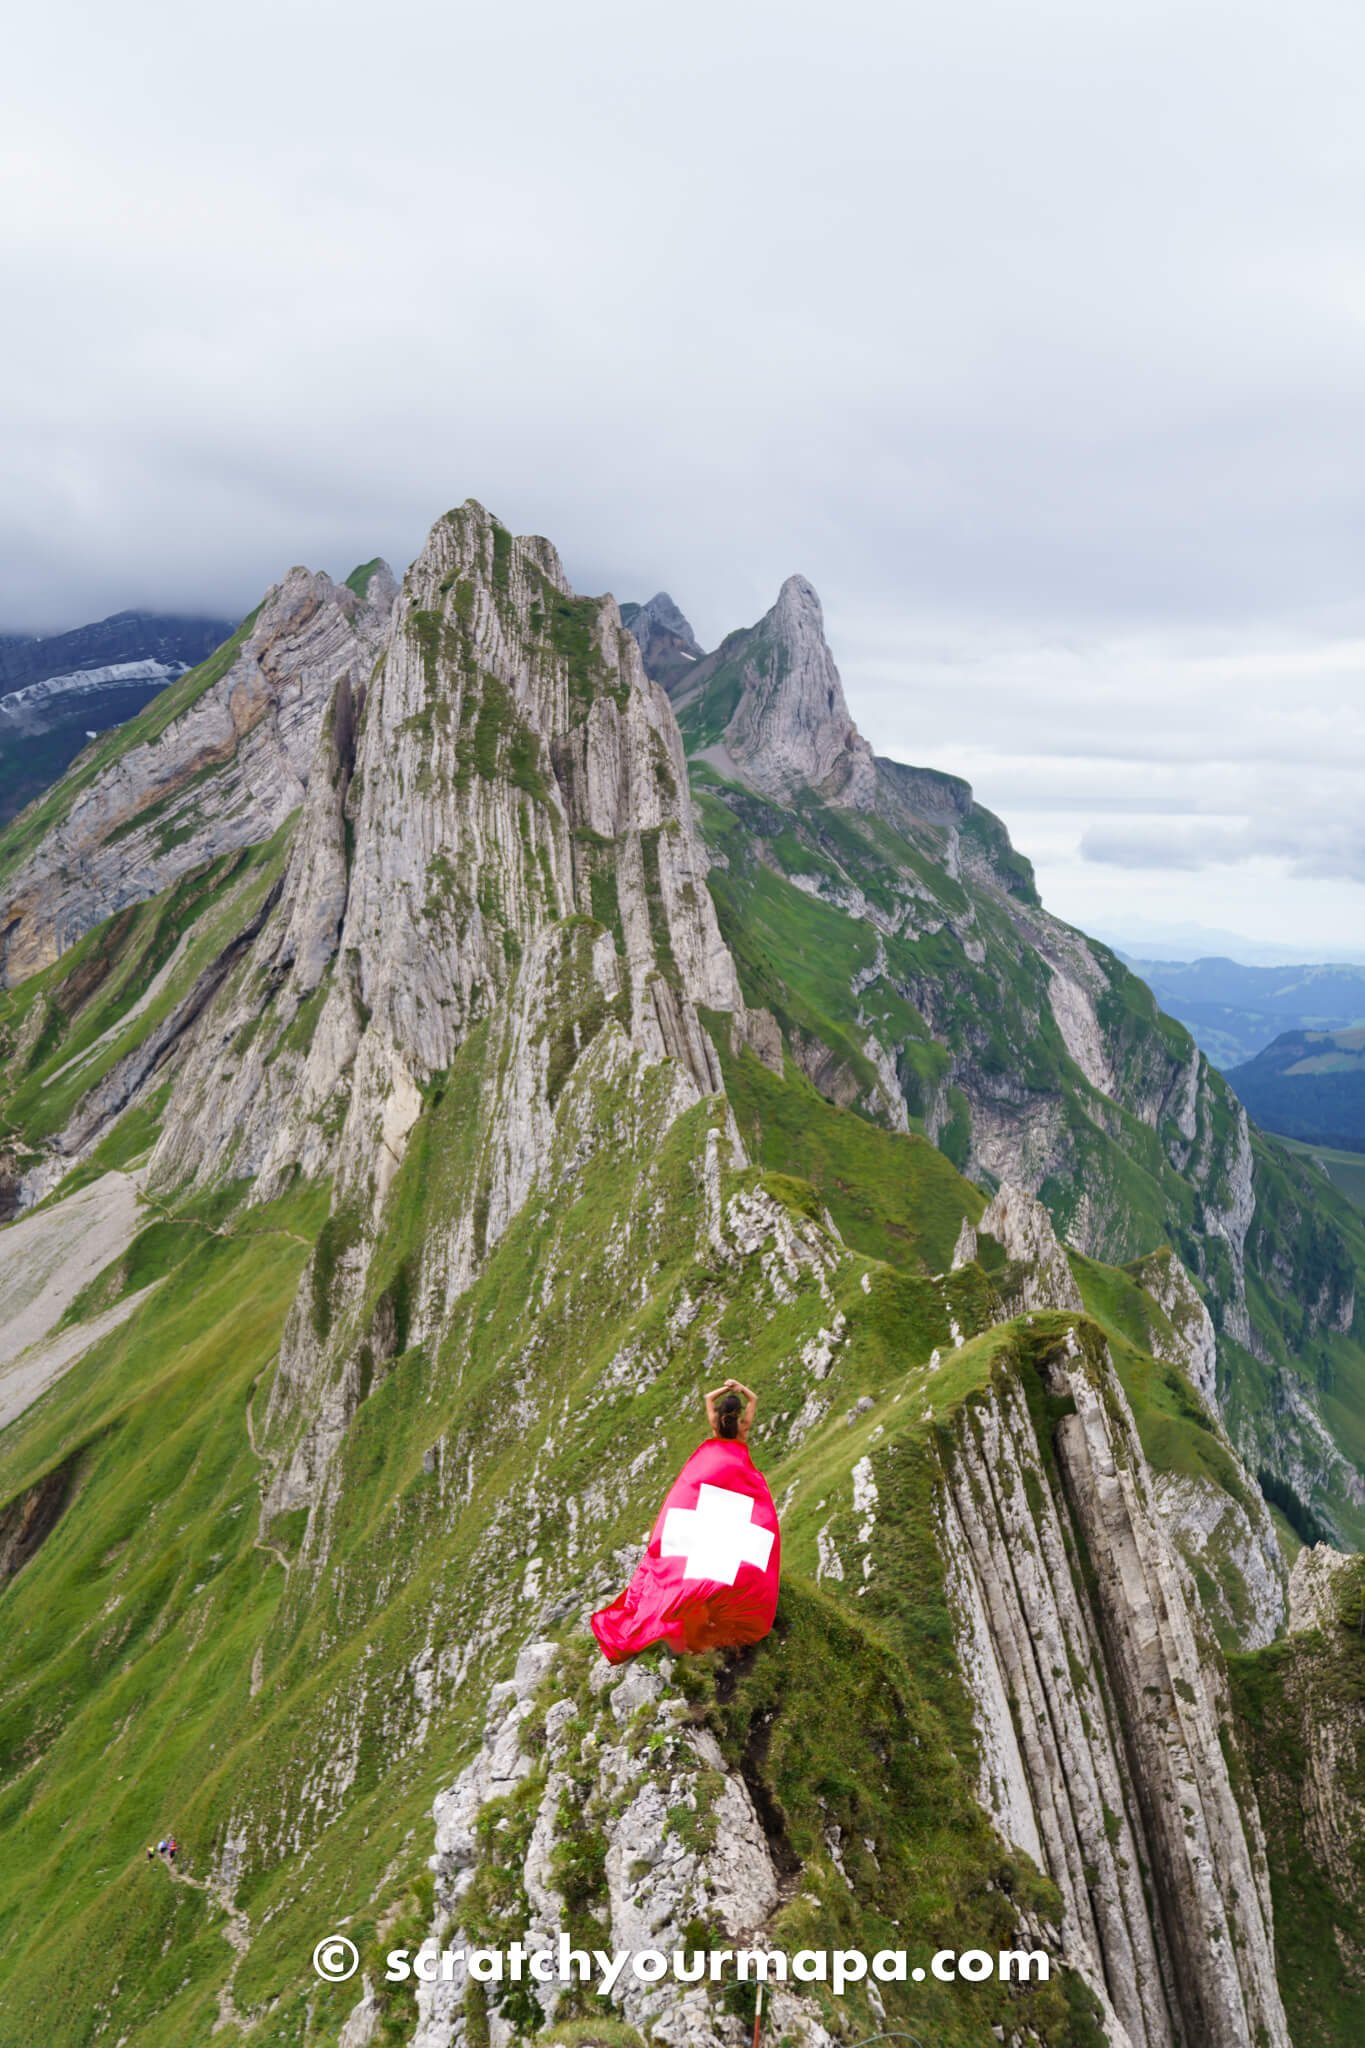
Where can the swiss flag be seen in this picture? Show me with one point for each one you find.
(709, 1577)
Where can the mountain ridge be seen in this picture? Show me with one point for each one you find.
(59, 692)
(521, 1080)
(1309, 1085)
(1235, 1010)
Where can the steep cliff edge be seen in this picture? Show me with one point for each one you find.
(769, 707)
(668, 646)
(884, 922)
(471, 1155)
(1301, 1721)
(214, 764)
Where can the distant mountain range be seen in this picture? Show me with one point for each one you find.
(1309, 1085)
(1235, 1011)
(1154, 939)
(59, 691)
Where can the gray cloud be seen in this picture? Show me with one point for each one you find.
(1312, 848)
(1030, 335)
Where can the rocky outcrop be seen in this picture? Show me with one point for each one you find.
(668, 646)
(616, 1776)
(1302, 1722)
(515, 766)
(790, 728)
(1039, 1273)
(509, 767)
(1099, 1710)
(1189, 1341)
(498, 839)
(1315, 1584)
(1231, 1547)
(224, 772)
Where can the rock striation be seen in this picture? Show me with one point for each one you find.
(1099, 1710)
(225, 764)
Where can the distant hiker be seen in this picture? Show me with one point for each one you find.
(170, 1850)
(151, 1852)
(709, 1578)
(161, 1848)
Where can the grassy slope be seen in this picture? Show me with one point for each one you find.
(1307, 1691)
(140, 1716)
(798, 956)
(1345, 1170)
(82, 1037)
(128, 1639)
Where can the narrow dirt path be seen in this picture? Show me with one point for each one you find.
(265, 1459)
(236, 1932)
(170, 1215)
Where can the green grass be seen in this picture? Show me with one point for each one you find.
(892, 1196)
(129, 1636)
(361, 577)
(1299, 1701)
(1345, 1170)
(117, 962)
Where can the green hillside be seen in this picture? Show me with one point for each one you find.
(1309, 1085)
(421, 1165)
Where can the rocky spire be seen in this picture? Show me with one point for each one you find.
(507, 783)
(790, 728)
(668, 646)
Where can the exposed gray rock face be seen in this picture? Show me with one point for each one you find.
(684, 1846)
(668, 646)
(1229, 1541)
(1192, 1344)
(497, 832)
(462, 857)
(1313, 1587)
(224, 774)
(791, 728)
(1041, 1275)
(1228, 1211)
(1100, 1711)
(509, 766)
(1234, 1548)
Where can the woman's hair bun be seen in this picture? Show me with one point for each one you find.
(729, 1408)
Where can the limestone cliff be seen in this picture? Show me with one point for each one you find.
(216, 763)
(1107, 1764)
(499, 1096)
(788, 726)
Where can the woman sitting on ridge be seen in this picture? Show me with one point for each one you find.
(708, 1579)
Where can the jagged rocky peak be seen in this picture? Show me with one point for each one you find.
(215, 763)
(512, 730)
(668, 646)
(500, 831)
(787, 726)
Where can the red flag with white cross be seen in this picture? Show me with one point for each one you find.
(709, 1578)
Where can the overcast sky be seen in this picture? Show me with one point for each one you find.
(1031, 334)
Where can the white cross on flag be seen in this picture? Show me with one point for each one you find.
(717, 1536)
(709, 1577)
